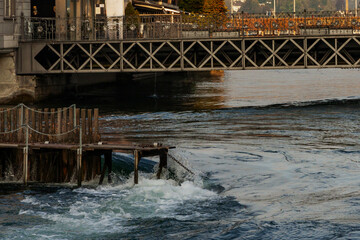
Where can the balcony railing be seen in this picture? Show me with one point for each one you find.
(189, 26)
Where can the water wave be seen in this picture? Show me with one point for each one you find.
(310, 103)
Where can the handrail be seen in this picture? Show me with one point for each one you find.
(182, 26)
(27, 127)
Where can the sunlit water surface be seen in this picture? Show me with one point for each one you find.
(275, 156)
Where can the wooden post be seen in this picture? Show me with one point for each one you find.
(2, 125)
(71, 137)
(19, 123)
(89, 126)
(14, 124)
(26, 157)
(52, 124)
(107, 165)
(64, 174)
(39, 127)
(103, 173)
(64, 123)
(108, 159)
(8, 128)
(79, 167)
(25, 165)
(96, 137)
(58, 126)
(83, 124)
(137, 158)
(162, 164)
(46, 120)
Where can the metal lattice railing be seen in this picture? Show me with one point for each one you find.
(172, 26)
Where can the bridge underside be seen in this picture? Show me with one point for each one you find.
(188, 55)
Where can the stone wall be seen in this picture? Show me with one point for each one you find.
(14, 88)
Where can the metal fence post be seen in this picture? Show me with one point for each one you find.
(305, 22)
(242, 24)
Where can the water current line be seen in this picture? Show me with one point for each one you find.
(182, 165)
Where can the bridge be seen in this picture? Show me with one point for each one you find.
(171, 43)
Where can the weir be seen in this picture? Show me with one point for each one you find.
(61, 146)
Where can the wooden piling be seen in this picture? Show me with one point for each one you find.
(52, 124)
(137, 158)
(103, 173)
(39, 126)
(79, 167)
(162, 164)
(19, 124)
(25, 165)
(83, 124)
(108, 158)
(46, 119)
(107, 165)
(89, 126)
(2, 124)
(71, 136)
(58, 126)
(96, 136)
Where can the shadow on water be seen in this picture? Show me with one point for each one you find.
(167, 92)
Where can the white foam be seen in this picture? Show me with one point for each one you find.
(31, 200)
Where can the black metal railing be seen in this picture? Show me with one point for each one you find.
(171, 26)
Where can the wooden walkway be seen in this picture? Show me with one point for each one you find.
(58, 146)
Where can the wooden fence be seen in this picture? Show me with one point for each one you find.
(62, 125)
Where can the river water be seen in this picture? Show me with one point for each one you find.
(275, 156)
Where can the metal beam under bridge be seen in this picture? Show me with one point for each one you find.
(139, 55)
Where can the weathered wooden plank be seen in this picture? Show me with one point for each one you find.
(71, 136)
(2, 125)
(9, 125)
(46, 121)
(39, 125)
(26, 122)
(14, 125)
(83, 124)
(89, 126)
(32, 124)
(25, 166)
(52, 124)
(79, 167)
(77, 120)
(58, 125)
(19, 124)
(96, 135)
(77, 116)
(64, 124)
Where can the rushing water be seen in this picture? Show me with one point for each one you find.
(275, 156)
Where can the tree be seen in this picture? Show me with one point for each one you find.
(214, 7)
(215, 11)
(130, 10)
(192, 6)
(132, 17)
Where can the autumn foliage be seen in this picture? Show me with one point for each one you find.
(214, 7)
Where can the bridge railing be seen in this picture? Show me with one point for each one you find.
(171, 26)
